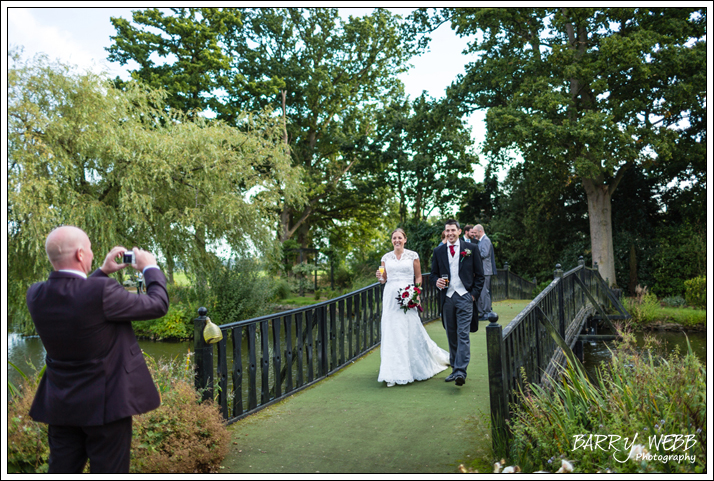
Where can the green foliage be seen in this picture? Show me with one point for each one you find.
(636, 394)
(184, 435)
(591, 93)
(424, 151)
(674, 301)
(681, 255)
(238, 291)
(323, 75)
(644, 307)
(281, 289)
(128, 171)
(696, 291)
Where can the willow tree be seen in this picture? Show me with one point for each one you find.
(84, 153)
(591, 92)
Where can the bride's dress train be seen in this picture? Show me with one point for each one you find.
(407, 352)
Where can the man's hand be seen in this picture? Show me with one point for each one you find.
(142, 259)
(110, 262)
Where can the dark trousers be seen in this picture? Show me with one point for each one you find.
(458, 312)
(108, 447)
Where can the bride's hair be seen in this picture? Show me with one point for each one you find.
(400, 230)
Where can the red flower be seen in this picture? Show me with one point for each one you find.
(463, 253)
(405, 295)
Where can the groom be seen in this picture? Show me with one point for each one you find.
(461, 263)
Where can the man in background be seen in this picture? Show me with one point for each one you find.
(96, 377)
(488, 256)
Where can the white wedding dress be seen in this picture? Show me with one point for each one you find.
(407, 352)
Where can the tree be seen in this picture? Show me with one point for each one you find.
(325, 77)
(424, 152)
(593, 92)
(84, 153)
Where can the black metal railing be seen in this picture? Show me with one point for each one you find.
(260, 361)
(547, 328)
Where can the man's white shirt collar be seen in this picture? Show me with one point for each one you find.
(72, 271)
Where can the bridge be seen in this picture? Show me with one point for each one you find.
(351, 423)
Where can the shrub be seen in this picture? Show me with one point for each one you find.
(643, 307)
(281, 289)
(696, 291)
(183, 435)
(238, 291)
(637, 394)
(27, 448)
(673, 301)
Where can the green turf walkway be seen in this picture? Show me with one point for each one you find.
(350, 423)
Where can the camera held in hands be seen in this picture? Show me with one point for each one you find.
(128, 257)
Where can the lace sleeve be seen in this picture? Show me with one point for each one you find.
(385, 256)
(411, 255)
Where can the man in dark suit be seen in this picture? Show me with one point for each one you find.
(96, 377)
(460, 263)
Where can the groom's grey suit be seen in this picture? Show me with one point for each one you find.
(457, 308)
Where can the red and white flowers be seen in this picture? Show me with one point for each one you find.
(408, 297)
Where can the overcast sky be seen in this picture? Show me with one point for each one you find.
(79, 36)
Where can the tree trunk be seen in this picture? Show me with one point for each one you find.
(600, 214)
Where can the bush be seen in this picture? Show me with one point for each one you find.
(696, 291)
(644, 307)
(182, 436)
(635, 394)
(674, 301)
(238, 291)
(27, 448)
(281, 289)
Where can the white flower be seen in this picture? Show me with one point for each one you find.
(565, 467)
(637, 452)
(511, 469)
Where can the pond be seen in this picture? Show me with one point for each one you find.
(23, 349)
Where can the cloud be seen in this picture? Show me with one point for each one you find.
(56, 42)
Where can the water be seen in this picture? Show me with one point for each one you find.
(23, 349)
(597, 352)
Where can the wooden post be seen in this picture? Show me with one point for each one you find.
(499, 407)
(558, 274)
(581, 263)
(203, 357)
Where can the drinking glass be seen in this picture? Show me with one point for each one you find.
(381, 271)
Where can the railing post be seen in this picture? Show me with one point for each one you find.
(558, 274)
(203, 357)
(581, 263)
(505, 266)
(499, 407)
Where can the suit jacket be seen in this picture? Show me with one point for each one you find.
(487, 255)
(95, 372)
(470, 273)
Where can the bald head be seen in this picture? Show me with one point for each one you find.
(68, 247)
(478, 231)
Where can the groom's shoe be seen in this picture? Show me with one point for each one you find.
(450, 377)
(460, 380)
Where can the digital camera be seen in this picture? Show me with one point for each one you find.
(128, 257)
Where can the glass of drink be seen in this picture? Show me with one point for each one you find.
(381, 271)
(445, 277)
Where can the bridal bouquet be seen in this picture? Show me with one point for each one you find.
(408, 297)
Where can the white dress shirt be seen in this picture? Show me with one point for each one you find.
(455, 284)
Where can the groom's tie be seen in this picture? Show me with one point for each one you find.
(451, 249)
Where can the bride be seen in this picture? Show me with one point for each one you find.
(407, 351)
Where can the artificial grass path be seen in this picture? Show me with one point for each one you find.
(350, 423)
